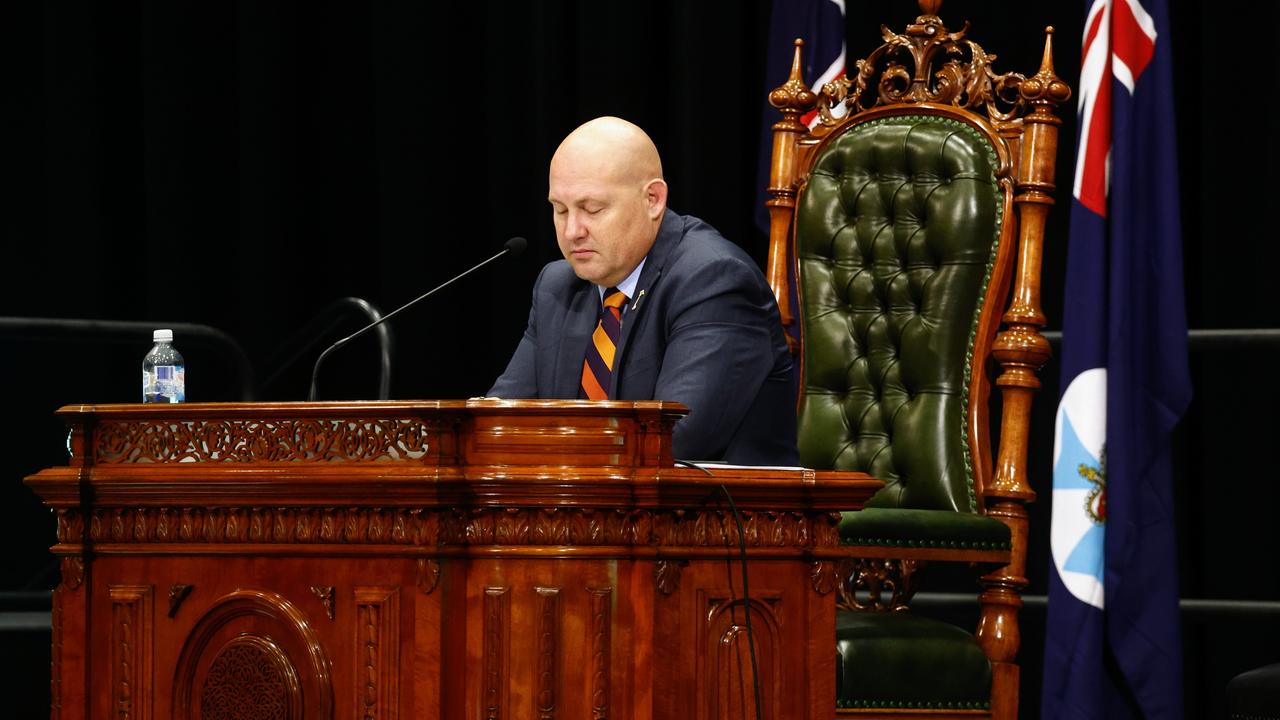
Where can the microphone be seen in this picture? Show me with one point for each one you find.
(513, 247)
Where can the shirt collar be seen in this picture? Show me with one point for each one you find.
(627, 286)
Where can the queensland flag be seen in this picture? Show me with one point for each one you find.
(820, 23)
(1113, 645)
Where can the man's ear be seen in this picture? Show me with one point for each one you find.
(656, 195)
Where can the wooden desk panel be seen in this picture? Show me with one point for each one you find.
(430, 559)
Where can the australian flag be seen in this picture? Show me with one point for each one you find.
(820, 23)
(1113, 646)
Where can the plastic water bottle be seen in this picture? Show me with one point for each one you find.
(164, 374)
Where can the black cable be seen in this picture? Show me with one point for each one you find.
(746, 591)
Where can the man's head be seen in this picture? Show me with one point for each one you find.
(607, 198)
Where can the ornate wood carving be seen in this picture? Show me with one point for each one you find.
(497, 619)
(551, 526)
(724, 670)
(286, 525)
(793, 98)
(428, 575)
(866, 581)
(177, 593)
(276, 634)
(251, 677)
(927, 63)
(666, 573)
(761, 528)
(71, 567)
(548, 671)
(131, 647)
(71, 531)
(432, 528)
(377, 653)
(826, 575)
(70, 528)
(601, 648)
(325, 593)
(252, 440)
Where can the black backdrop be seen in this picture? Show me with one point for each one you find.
(243, 164)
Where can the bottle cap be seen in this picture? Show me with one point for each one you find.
(162, 336)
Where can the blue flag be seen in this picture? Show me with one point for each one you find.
(1113, 646)
(820, 23)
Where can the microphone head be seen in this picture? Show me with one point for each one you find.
(516, 245)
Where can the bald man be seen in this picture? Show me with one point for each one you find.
(651, 305)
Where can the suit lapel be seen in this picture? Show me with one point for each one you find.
(579, 322)
(669, 235)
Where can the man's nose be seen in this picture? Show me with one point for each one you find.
(573, 227)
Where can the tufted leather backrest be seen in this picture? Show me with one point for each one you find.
(896, 233)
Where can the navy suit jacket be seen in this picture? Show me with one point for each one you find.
(703, 329)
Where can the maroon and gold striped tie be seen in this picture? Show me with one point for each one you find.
(597, 368)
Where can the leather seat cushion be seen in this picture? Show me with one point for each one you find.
(923, 528)
(902, 660)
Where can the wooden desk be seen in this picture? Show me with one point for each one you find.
(478, 559)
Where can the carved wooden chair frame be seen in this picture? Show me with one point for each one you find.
(931, 70)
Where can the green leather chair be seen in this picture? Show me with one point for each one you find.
(909, 221)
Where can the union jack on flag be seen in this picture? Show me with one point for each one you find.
(1123, 53)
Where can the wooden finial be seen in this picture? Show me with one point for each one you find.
(1045, 87)
(1046, 62)
(797, 66)
(793, 97)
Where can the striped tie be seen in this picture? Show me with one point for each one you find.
(597, 368)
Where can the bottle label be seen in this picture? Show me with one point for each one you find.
(166, 384)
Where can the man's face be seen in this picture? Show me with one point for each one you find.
(605, 224)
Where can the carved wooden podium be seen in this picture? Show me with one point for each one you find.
(482, 559)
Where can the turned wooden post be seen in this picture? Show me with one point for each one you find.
(793, 98)
(1021, 351)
